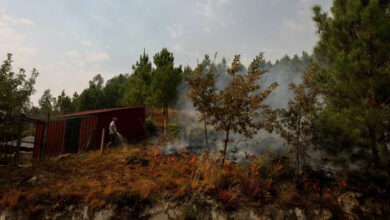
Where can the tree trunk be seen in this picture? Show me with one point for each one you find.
(205, 132)
(374, 150)
(224, 149)
(298, 139)
(165, 120)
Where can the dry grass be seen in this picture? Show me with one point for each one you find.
(122, 176)
(96, 179)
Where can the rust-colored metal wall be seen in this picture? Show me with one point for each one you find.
(55, 138)
(38, 140)
(87, 126)
(130, 124)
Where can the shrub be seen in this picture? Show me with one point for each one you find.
(228, 198)
(150, 126)
(251, 188)
(188, 213)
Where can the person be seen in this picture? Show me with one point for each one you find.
(113, 131)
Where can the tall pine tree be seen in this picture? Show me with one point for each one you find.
(353, 52)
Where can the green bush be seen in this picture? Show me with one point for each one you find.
(149, 126)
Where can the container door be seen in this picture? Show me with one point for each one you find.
(72, 135)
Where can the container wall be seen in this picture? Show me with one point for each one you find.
(88, 125)
(55, 138)
(130, 124)
(38, 140)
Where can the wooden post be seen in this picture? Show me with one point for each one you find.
(44, 145)
(102, 143)
(19, 140)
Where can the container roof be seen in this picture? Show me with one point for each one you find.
(92, 112)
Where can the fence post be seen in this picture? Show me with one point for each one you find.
(42, 156)
(19, 140)
(102, 143)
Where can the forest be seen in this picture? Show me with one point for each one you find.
(303, 131)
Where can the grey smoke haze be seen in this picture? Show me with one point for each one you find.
(192, 135)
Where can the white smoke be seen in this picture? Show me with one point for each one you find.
(192, 137)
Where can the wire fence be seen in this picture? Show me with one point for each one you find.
(17, 136)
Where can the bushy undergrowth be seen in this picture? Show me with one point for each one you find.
(132, 176)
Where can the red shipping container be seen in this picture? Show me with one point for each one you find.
(130, 125)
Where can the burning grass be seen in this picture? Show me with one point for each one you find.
(136, 175)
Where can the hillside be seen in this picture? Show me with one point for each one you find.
(138, 182)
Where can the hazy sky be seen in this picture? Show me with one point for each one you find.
(70, 41)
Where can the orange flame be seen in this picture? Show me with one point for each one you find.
(173, 159)
(155, 153)
(380, 190)
(185, 155)
(193, 159)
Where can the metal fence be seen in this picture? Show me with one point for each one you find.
(18, 136)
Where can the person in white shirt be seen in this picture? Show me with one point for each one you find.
(113, 132)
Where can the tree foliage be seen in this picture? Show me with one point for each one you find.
(64, 103)
(137, 91)
(353, 52)
(295, 122)
(15, 90)
(166, 78)
(47, 102)
(202, 82)
(239, 106)
(92, 97)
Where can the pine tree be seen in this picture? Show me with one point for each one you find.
(165, 80)
(64, 103)
(137, 89)
(353, 52)
(47, 102)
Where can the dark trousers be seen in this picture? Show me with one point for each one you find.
(114, 139)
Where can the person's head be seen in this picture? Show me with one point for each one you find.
(115, 119)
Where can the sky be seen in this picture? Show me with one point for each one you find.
(70, 41)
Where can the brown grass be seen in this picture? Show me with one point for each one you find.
(99, 179)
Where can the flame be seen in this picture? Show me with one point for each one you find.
(193, 159)
(380, 190)
(343, 183)
(173, 159)
(185, 155)
(155, 153)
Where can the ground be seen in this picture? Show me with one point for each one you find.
(139, 176)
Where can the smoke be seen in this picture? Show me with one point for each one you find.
(191, 136)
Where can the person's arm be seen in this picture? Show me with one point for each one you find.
(113, 128)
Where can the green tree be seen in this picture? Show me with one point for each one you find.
(64, 103)
(295, 121)
(46, 102)
(137, 91)
(353, 52)
(202, 82)
(92, 97)
(15, 90)
(113, 91)
(238, 107)
(165, 80)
